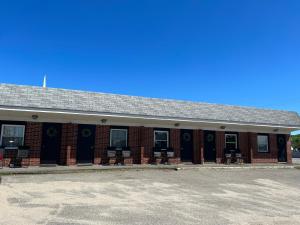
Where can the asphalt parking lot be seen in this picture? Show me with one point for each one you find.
(203, 196)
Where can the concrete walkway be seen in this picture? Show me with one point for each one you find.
(99, 168)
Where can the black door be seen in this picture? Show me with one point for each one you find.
(281, 143)
(85, 143)
(51, 143)
(209, 146)
(186, 141)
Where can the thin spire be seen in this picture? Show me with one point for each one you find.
(45, 81)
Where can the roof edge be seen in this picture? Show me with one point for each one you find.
(147, 117)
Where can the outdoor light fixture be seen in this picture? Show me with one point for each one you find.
(34, 117)
(177, 124)
(276, 130)
(103, 120)
(222, 127)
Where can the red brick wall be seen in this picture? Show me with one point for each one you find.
(33, 139)
(68, 140)
(288, 148)
(244, 146)
(175, 143)
(135, 143)
(101, 144)
(220, 145)
(147, 141)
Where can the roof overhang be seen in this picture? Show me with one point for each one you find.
(66, 116)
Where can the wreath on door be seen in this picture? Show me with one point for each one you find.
(51, 132)
(281, 140)
(187, 137)
(86, 132)
(210, 138)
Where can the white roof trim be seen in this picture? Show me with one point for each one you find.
(69, 112)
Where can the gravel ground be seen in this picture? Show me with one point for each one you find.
(203, 196)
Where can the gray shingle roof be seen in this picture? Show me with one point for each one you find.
(70, 100)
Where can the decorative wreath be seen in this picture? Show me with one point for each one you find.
(186, 137)
(210, 137)
(86, 132)
(51, 132)
(281, 140)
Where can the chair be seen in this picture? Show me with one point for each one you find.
(23, 153)
(239, 157)
(228, 156)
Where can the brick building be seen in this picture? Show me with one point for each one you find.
(69, 127)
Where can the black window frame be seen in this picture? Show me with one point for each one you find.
(127, 136)
(165, 130)
(266, 135)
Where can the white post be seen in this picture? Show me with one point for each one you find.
(45, 82)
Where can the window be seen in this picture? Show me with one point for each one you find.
(161, 139)
(12, 136)
(231, 141)
(262, 143)
(118, 138)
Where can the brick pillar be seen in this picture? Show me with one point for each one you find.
(68, 144)
(33, 139)
(147, 141)
(101, 144)
(244, 146)
(197, 146)
(288, 148)
(175, 144)
(134, 142)
(201, 146)
(220, 145)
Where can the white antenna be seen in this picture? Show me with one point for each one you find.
(45, 81)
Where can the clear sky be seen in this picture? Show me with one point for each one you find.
(231, 51)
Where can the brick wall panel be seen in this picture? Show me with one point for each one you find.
(220, 145)
(175, 143)
(147, 141)
(33, 139)
(135, 143)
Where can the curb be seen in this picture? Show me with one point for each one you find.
(82, 170)
(56, 170)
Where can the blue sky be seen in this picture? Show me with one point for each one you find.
(231, 51)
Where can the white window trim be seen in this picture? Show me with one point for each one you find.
(236, 140)
(110, 136)
(12, 125)
(162, 131)
(264, 135)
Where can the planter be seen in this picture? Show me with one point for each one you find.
(228, 155)
(126, 154)
(111, 153)
(170, 154)
(238, 155)
(157, 154)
